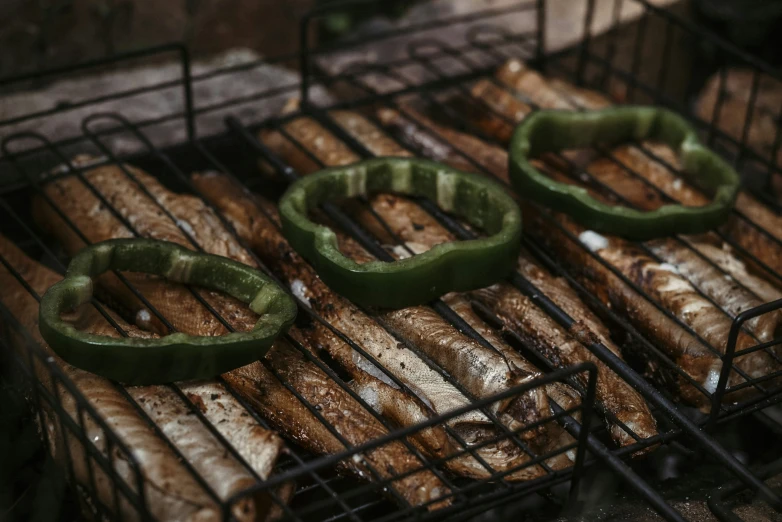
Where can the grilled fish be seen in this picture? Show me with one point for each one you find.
(695, 256)
(673, 291)
(130, 209)
(130, 206)
(756, 228)
(745, 95)
(171, 492)
(345, 421)
(669, 289)
(518, 312)
(255, 220)
(194, 219)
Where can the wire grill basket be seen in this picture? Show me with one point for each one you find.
(109, 470)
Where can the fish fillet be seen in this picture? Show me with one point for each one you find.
(171, 492)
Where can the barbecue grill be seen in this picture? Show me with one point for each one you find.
(438, 68)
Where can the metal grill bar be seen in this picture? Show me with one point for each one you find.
(718, 497)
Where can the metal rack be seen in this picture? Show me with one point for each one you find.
(322, 494)
(719, 498)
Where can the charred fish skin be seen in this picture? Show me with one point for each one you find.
(194, 219)
(259, 447)
(756, 230)
(701, 258)
(259, 229)
(171, 491)
(520, 315)
(710, 325)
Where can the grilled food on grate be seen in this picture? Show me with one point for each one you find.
(420, 231)
(622, 401)
(171, 492)
(738, 101)
(420, 391)
(753, 227)
(175, 217)
(119, 211)
(677, 340)
(481, 370)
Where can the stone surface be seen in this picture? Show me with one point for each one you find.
(228, 88)
(47, 33)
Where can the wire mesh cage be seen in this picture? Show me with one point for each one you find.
(150, 453)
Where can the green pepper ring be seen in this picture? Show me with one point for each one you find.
(455, 266)
(554, 130)
(176, 356)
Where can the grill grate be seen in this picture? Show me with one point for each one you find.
(321, 494)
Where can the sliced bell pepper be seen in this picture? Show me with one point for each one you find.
(176, 356)
(552, 131)
(456, 266)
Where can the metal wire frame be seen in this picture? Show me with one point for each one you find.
(49, 399)
(281, 168)
(452, 317)
(404, 112)
(192, 109)
(77, 171)
(538, 293)
(596, 447)
(736, 147)
(730, 353)
(298, 470)
(307, 51)
(48, 145)
(718, 499)
(184, 179)
(689, 426)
